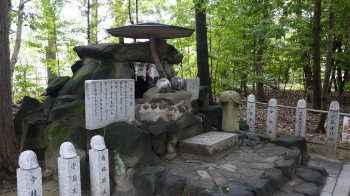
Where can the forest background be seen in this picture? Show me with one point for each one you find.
(252, 45)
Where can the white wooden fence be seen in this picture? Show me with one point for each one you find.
(29, 178)
(332, 124)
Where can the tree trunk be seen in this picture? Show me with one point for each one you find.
(51, 56)
(8, 150)
(93, 22)
(320, 126)
(202, 47)
(18, 41)
(316, 29)
(260, 94)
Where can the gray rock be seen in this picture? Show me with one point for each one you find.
(111, 69)
(260, 187)
(189, 125)
(159, 139)
(308, 189)
(214, 114)
(321, 170)
(55, 84)
(243, 126)
(128, 145)
(146, 178)
(69, 113)
(76, 66)
(75, 85)
(276, 178)
(312, 176)
(230, 188)
(33, 137)
(57, 133)
(207, 126)
(169, 185)
(287, 167)
(171, 98)
(294, 154)
(298, 141)
(29, 106)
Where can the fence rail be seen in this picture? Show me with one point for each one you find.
(332, 123)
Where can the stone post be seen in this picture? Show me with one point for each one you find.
(99, 167)
(29, 181)
(332, 127)
(69, 171)
(300, 118)
(230, 101)
(251, 108)
(271, 119)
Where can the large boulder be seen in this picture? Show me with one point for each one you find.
(69, 113)
(29, 106)
(139, 51)
(55, 84)
(33, 137)
(57, 133)
(75, 85)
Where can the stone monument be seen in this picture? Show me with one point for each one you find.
(230, 101)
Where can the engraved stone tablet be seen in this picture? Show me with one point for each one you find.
(192, 85)
(108, 101)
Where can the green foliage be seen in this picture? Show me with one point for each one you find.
(26, 83)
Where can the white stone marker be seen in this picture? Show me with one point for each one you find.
(99, 167)
(29, 181)
(251, 108)
(108, 101)
(300, 118)
(69, 171)
(332, 129)
(271, 119)
(192, 85)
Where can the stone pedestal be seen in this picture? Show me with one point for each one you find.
(209, 146)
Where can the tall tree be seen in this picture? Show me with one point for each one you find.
(316, 37)
(202, 46)
(260, 94)
(327, 74)
(92, 21)
(17, 47)
(8, 148)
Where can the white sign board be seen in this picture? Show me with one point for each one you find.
(346, 129)
(108, 101)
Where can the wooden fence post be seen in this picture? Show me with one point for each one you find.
(69, 171)
(271, 119)
(332, 127)
(99, 167)
(251, 108)
(300, 118)
(29, 180)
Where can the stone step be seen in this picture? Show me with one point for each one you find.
(208, 146)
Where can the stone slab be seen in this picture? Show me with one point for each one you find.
(108, 101)
(209, 144)
(343, 182)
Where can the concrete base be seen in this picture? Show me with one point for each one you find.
(208, 146)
